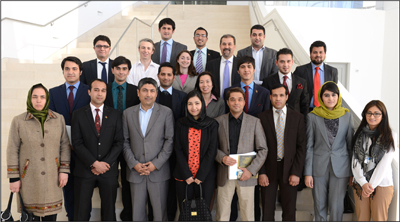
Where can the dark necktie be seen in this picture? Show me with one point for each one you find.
(164, 53)
(246, 93)
(97, 122)
(119, 99)
(104, 72)
(285, 83)
(71, 98)
(165, 92)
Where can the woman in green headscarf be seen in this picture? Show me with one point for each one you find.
(38, 155)
(327, 167)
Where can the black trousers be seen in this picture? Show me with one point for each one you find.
(207, 186)
(52, 217)
(126, 213)
(83, 196)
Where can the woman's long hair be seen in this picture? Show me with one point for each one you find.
(214, 90)
(191, 71)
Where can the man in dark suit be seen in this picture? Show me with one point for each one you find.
(285, 131)
(97, 139)
(65, 101)
(316, 67)
(99, 68)
(200, 39)
(122, 95)
(224, 68)
(264, 56)
(166, 27)
(297, 86)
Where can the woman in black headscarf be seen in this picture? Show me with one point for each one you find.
(195, 144)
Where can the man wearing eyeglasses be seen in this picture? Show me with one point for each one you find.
(99, 68)
(200, 39)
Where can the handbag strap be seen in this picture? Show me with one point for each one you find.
(201, 191)
(22, 203)
(7, 212)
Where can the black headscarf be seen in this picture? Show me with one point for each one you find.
(203, 121)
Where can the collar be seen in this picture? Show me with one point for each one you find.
(321, 67)
(151, 63)
(284, 109)
(140, 107)
(107, 61)
(203, 50)
(251, 85)
(289, 75)
(114, 85)
(262, 49)
(92, 107)
(169, 89)
(213, 97)
(230, 59)
(31, 116)
(169, 41)
(232, 117)
(76, 85)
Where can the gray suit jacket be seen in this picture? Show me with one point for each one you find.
(176, 49)
(189, 84)
(251, 138)
(268, 66)
(216, 108)
(320, 152)
(156, 146)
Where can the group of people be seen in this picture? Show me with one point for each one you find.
(174, 120)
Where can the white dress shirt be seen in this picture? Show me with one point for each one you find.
(94, 112)
(221, 72)
(137, 73)
(258, 56)
(288, 80)
(100, 68)
(276, 115)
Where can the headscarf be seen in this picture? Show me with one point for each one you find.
(203, 121)
(324, 112)
(40, 115)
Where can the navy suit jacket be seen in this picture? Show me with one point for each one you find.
(178, 103)
(89, 71)
(132, 98)
(260, 100)
(59, 100)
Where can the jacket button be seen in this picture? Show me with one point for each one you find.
(42, 159)
(46, 131)
(99, 144)
(99, 156)
(42, 145)
(43, 173)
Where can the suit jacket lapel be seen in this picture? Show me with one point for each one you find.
(63, 93)
(136, 120)
(78, 95)
(249, 51)
(104, 120)
(327, 72)
(225, 125)
(89, 116)
(294, 92)
(254, 97)
(94, 67)
(243, 132)
(178, 80)
(340, 128)
(322, 129)
(188, 80)
(153, 117)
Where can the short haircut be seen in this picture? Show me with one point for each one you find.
(228, 36)
(147, 40)
(200, 28)
(74, 59)
(331, 86)
(246, 59)
(284, 51)
(121, 60)
(318, 44)
(147, 80)
(165, 64)
(101, 38)
(277, 86)
(167, 21)
(233, 90)
(258, 26)
(214, 89)
(94, 80)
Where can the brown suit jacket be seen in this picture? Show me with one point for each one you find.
(251, 138)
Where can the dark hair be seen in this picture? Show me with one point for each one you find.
(382, 129)
(101, 38)
(200, 28)
(214, 90)
(165, 64)
(147, 80)
(191, 71)
(331, 86)
(277, 86)
(258, 26)
(317, 44)
(228, 36)
(233, 90)
(72, 59)
(39, 85)
(284, 51)
(167, 21)
(194, 93)
(91, 82)
(121, 60)
(246, 59)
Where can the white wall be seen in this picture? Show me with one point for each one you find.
(24, 41)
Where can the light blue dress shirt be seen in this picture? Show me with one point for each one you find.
(144, 118)
(203, 57)
(76, 85)
(321, 77)
(168, 90)
(251, 88)
(169, 48)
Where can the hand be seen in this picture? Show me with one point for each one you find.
(350, 181)
(197, 181)
(141, 169)
(367, 188)
(308, 180)
(14, 187)
(150, 166)
(364, 194)
(101, 167)
(229, 161)
(294, 180)
(95, 172)
(62, 179)
(246, 174)
(189, 180)
(263, 180)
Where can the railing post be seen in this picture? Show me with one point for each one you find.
(167, 10)
(183, 10)
(137, 38)
(117, 51)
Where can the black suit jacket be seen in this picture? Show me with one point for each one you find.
(294, 145)
(268, 66)
(260, 100)
(211, 54)
(132, 98)
(89, 147)
(298, 98)
(306, 72)
(89, 71)
(59, 100)
(214, 66)
(178, 103)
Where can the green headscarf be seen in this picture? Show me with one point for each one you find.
(324, 112)
(40, 115)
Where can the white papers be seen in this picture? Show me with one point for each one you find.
(233, 169)
(69, 133)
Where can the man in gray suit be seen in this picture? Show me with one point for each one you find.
(167, 49)
(264, 56)
(148, 133)
(238, 133)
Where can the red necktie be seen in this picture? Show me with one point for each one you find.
(317, 85)
(246, 93)
(285, 84)
(97, 122)
(71, 98)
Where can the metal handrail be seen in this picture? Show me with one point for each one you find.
(51, 22)
(137, 19)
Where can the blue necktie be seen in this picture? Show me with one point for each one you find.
(199, 63)
(225, 83)
(164, 53)
(104, 72)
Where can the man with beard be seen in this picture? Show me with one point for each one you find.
(224, 68)
(200, 39)
(316, 68)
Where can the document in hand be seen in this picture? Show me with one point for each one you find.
(242, 160)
